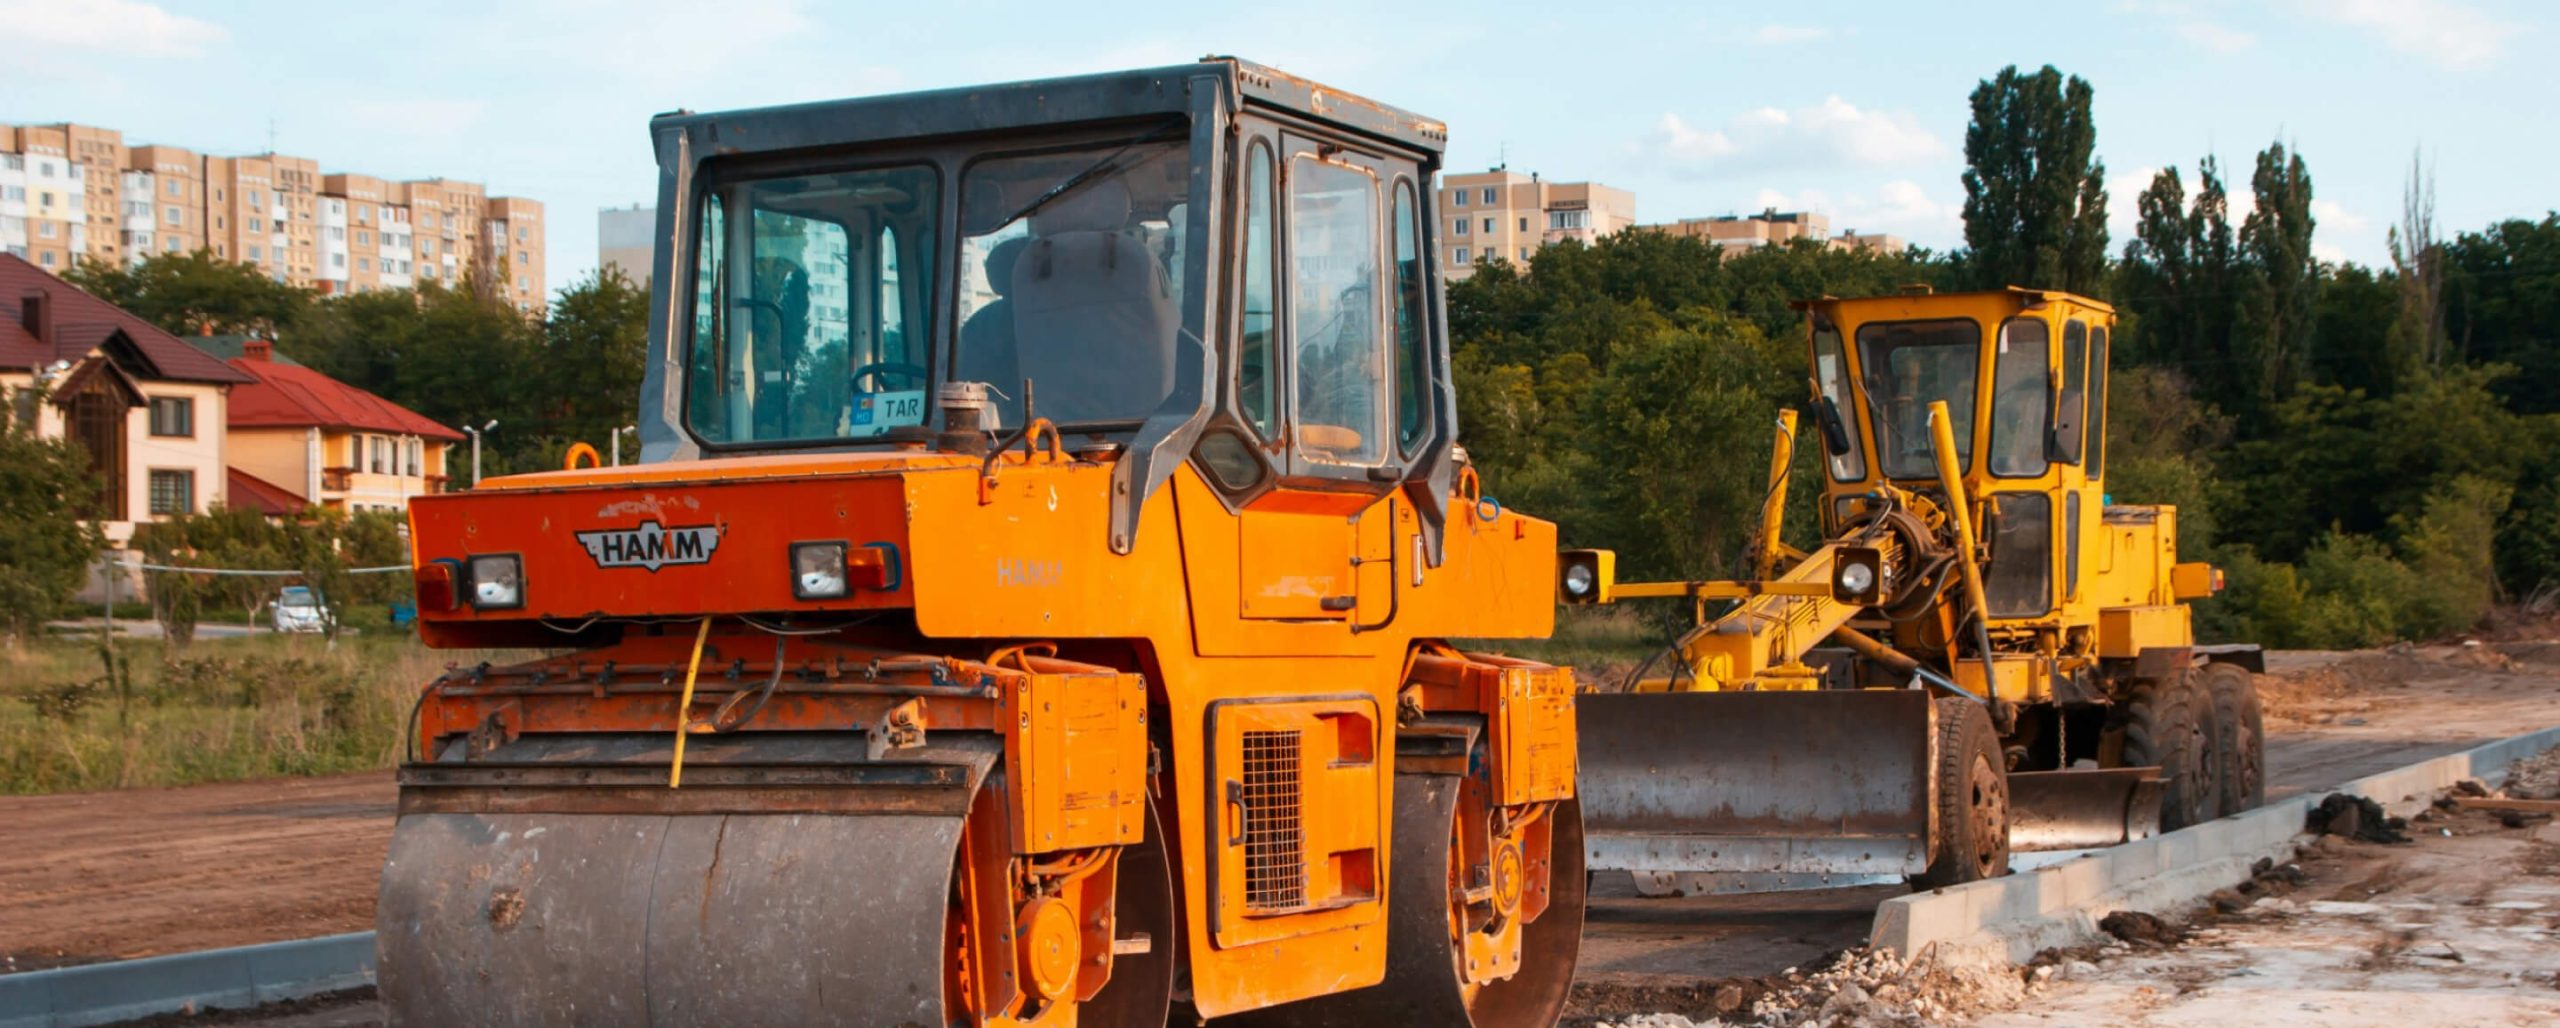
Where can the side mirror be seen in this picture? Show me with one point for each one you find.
(2062, 439)
(1835, 432)
(1586, 576)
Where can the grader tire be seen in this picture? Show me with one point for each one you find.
(2238, 739)
(1973, 799)
(2164, 725)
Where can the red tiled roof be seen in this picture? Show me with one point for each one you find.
(263, 496)
(83, 323)
(293, 396)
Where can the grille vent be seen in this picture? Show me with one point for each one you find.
(1275, 864)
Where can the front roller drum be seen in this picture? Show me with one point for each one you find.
(1430, 920)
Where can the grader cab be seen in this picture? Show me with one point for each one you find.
(1029, 608)
(1983, 654)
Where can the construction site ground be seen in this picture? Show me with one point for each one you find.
(100, 876)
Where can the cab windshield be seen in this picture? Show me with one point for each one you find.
(1905, 366)
(810, 295)
(1071, 268)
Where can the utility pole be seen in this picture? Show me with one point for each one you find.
(617, 442)
(475, 448)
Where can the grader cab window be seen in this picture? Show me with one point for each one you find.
(2021, 396)
(802, 328)
(1257, 381)
(1838, 406)
(1071, 265)
(1335, 349)
(1909, 364)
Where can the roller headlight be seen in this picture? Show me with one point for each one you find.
(1579, 581)
(818, 571)
(497, 581)
(1857, 574)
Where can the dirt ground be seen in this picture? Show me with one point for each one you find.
(105, 876)
(109, 875)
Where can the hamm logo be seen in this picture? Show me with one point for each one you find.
(651, 546)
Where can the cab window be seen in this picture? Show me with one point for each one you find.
(1413, 348)
(1257, 382)
(795, 338)
(2021, 394)
(1335, 351)
(1907, 365)
(1838, 409)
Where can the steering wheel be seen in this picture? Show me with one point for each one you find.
(916, 374)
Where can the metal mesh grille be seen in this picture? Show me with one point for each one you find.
(1275, 866)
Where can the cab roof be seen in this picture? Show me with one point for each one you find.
(1109, 96)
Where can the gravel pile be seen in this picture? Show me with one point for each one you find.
(1868, 989)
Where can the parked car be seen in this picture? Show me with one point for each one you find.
(299, 609)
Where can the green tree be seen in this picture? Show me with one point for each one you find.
(195, 293)
(2178, 271)
(2035, 198)
(595, 347)
(45, 547)
(2501, 299)
(2280, 301)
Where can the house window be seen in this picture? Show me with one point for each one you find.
(172, 492)
(1460, 228)
(173, 416)
(176, 190)
(1459, 255)
(1524, 224)
(49, 259)
(174, 216)
(1488, 226)
(1488, 196)
(44, 230)
(415, 448)
(381, 455)
(1524, 254)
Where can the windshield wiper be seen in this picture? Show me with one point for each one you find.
(1070, 183)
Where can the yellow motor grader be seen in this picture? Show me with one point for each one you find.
(1983, 655)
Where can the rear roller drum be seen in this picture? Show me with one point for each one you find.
(2164, 726)
(2238, 741)
(1972, 793)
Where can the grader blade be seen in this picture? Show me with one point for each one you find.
(1800, 783)
(2083, 809)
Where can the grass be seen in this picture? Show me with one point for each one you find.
(219, 710)
(1599, 643)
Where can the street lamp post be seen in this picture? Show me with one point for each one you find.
(475, 448)
(617, 442)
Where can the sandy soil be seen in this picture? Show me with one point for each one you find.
(2458, 929)
(101, 876)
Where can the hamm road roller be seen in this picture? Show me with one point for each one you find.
(1028, 609)
(1982, 654)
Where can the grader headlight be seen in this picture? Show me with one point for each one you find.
(1586, 576)
(1857, 575)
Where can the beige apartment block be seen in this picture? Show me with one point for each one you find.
(1503, 215)
(623, 237)
(69, 191)
(509, 251)
(1772, 227)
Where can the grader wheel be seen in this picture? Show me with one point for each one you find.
(2164, 725)
(1972, 796)
(2238, 737)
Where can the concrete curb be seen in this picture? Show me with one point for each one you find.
(242, 976)
(2010, 920)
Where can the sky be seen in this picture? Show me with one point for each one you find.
(1853, 109)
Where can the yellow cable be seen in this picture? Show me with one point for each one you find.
(684, 707)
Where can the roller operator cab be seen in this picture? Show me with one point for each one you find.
(1982, 651)
(1028, 609)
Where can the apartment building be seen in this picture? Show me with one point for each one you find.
(68, 191)
(1503, 215)
(1772, 227)
(623, 236)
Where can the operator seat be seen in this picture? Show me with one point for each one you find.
(1094, 315)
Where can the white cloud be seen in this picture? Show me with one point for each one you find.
(2328, 253)
(1781, 35)
(1899, 207)
(1768, 139)
(2335, 218)
(2190, 24)
(125, 27)
(421, 117)
(2448, 32)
